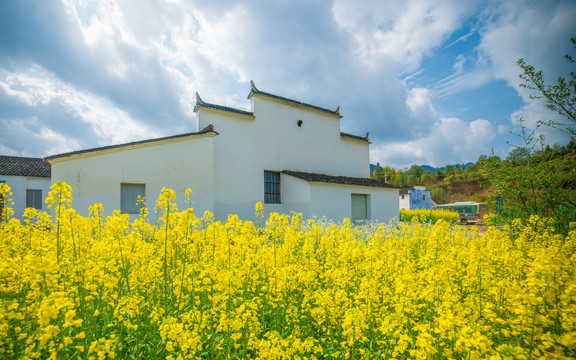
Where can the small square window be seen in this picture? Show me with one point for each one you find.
(34, 199)
(129, 198)
(271, 187)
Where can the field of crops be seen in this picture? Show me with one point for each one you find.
(175, 286)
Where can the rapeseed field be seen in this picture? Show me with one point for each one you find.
(172, 285)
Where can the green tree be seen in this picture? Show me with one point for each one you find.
(439, 175)
(559, 97)
(535, 179)
(428, 179)
(399, 179)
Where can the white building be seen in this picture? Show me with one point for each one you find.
(29, 180)
(289, 155)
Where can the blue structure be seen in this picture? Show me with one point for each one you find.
(420, 199)
(415, 198)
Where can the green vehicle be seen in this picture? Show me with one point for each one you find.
(470, 212)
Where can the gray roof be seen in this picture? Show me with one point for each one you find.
(24, 166)
(255, 91)
(202, 103)
(335, 179)
(208, 129)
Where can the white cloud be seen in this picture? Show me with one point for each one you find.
(40, 140)
(451, 141)
(37, 87)
(537, 31)
(401, 31)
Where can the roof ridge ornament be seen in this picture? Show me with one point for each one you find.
(253, 87)
(199, 100)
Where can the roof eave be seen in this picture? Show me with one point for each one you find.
(129, 146)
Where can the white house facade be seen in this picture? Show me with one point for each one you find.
(29, 181)
(289, 155)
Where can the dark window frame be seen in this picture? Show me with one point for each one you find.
(131, 208)
(34, 198)
(272, 187)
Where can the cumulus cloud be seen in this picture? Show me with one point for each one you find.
(463, 141)
(103, 72)
(539, 32)
(38, 88)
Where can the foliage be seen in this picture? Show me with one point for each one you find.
(559, 97)
(539, 182)
(536, 179)
(194, 288)
(428, 216)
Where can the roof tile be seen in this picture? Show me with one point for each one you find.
(335, 179)
(24, 166)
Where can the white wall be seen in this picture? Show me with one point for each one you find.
(245, 147)
(179, 164)
(19, 185)
(404, 203)
(335, 202)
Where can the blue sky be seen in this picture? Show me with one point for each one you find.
(434, 82)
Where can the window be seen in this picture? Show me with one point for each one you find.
(271, 187)
(129, 197)
(34, 199)
(423, 197)
(359, 207)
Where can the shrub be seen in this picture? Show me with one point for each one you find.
(108, 287)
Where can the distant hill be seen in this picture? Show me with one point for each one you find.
(431, 169)
(374, 167)
(426, 168)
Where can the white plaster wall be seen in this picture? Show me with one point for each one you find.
(335, 202)
(19, 185)
(296, 196)
(273, 141)
(404, 203)
(179, 165)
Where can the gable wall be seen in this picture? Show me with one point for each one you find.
(273, 141)
(177, 165)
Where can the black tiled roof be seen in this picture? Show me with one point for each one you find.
(206, 130)
(23, 166)
(334, 179)
(202, 103)
(255, 91)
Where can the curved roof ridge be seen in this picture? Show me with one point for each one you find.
(201, 103)
(254, 91)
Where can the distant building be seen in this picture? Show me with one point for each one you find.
(289, 155)
(416, 197)
(29, 179)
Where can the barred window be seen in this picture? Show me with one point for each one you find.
(271, 187)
